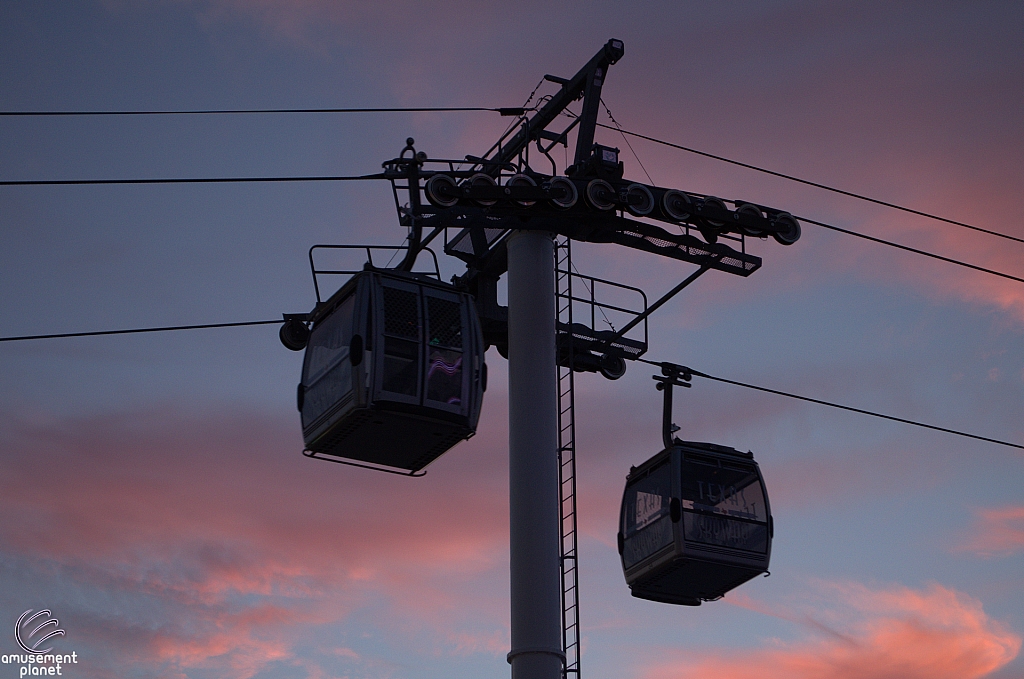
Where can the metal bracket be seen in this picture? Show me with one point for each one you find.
(672, 375)
(318, 456)
(436, 273)
(657, 305)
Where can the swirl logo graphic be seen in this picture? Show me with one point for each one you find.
(47, 629)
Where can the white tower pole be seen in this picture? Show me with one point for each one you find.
(534, 546)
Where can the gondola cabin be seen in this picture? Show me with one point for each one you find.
(695, 523)
(393, 372)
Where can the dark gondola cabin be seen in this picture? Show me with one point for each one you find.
(393, 373)
(695, 523)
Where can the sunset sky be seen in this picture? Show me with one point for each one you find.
(152, 491)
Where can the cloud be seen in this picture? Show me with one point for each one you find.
(996, 531)
(230, 642)
(895, 119)
(865, 633)
(940, 280)
(209, 543)
(103, 487)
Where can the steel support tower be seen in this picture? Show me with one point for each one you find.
(508, 215)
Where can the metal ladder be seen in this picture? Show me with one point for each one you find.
(567, 469)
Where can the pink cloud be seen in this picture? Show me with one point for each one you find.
(896, 633)
(996, 532)
(888, 116)
(244, 542)
(183, 484)
(940, 280)
(232, 640)
(824, 256)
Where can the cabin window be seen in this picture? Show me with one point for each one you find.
(328, 373)
(723, 504)
(646, 520)
(329, 342)
(401, 342)
(444, 351)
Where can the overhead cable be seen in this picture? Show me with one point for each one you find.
(807, 182)
(910, 249)
(691, 371)
(697, 373)
(881, 241)
(138, 330)
(505, 111)
(339, 178)
(194, 180)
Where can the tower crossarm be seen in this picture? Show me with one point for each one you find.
(586, 83)
(473, 248)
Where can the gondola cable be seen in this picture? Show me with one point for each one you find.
(515, 111)
(817, 185)
(949, 260)
(504, 111)
(880, 241)
(131, 331)
(697, 373)
(195, 180)
(339, 178)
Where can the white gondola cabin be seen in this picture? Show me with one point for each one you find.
(695, 523)
(393, 372)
